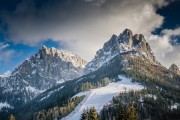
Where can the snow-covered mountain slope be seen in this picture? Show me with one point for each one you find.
(102, 96)
(125, 43)
(42, 71)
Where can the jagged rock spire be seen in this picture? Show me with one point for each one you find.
(137, 39)
(127, 32)
(126, 37)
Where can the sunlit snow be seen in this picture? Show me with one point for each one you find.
(102, 96)
(6, 105)
(174, 106)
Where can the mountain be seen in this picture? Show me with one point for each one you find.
(124, 55)
(126, 42)
(48, 68)
(174, 68)
(124, 61)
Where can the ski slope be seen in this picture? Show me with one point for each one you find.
(102, 96)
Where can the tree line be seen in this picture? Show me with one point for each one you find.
(58, 112)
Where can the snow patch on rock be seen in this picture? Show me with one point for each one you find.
(5, 105)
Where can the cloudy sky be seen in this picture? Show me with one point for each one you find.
(82, 27)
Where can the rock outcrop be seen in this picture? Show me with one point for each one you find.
(174, 68)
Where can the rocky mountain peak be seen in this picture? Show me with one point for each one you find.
(64, 55)
(174, 68)
(126, 37)
(140, 42)
(134, 41)
(127, 32)
(126, 42)
(48, 68)
(137, 38)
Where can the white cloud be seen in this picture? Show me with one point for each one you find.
(170, 32)
(5, 54)
(164, 51)
(3, 45)
(7, 73)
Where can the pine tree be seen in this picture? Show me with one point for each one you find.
(11, 117)
(84, 115)
(93, 114)
(132, 114)
(122, 114)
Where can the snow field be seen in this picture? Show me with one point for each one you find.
(102, 96)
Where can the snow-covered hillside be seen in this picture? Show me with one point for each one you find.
(102, 96)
